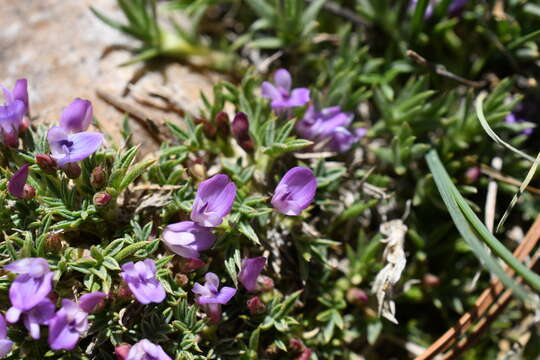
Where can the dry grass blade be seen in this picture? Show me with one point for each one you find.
(506, 179)
(483, 303)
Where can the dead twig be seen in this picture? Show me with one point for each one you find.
(148, 124)
(442, 71)
(484, 169)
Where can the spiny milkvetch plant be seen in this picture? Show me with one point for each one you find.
(324, 205)
(86, 278)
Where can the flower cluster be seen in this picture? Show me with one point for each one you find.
(328, 126)
(12, 113)
(213, 201)
(29, 295)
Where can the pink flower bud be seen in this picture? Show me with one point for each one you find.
(46, 163)
(357, 296)
(122, 351)
(256, 306)
(265, 283)
(102, 199)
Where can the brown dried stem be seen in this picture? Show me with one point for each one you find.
(486, 308)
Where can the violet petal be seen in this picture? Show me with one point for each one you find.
(17, 181)
(251, 269)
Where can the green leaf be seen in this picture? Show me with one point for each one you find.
(245, 228)
(130, 250)
(451, 198)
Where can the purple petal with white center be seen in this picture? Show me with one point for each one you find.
(295, 191)
(17, 181)
(88, 302)
(186, 238)
(79, 146)
(213, 201)
(283, 81)
(251, 269)
(77, 116)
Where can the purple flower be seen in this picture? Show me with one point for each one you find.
(512, 118)
(213, 201)
(210, 298)
(251, 269)
(142, 281)
(330, 125)
(32, 285)
(71, 321)
(68, 148)
(145, 350)
(342, 139)
(281, 95)
(187, 238)
(456, 7)
(17, 182)
(295, 191)
(5, 343)
(77, 116)
(20, 92)
(12, 113)
(321, 124)
(38, 315)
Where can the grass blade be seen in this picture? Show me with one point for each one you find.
(451, 197)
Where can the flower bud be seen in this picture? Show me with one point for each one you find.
(264, 283)
(72, 170)
(240, 131)
(102, 198)
(53, 243)
(187, 265)
(122, 351)
(296, 345)
(98, 178)
(123, 292)
(222, 124)
(240, 125)
(306, 354)
(198, 170)
(181, 279)
(25, 124)
(357, 296)
(472, 175)
(46, 163)
(209, 129)
(28, 192)
(256, 306)
(430, 280)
